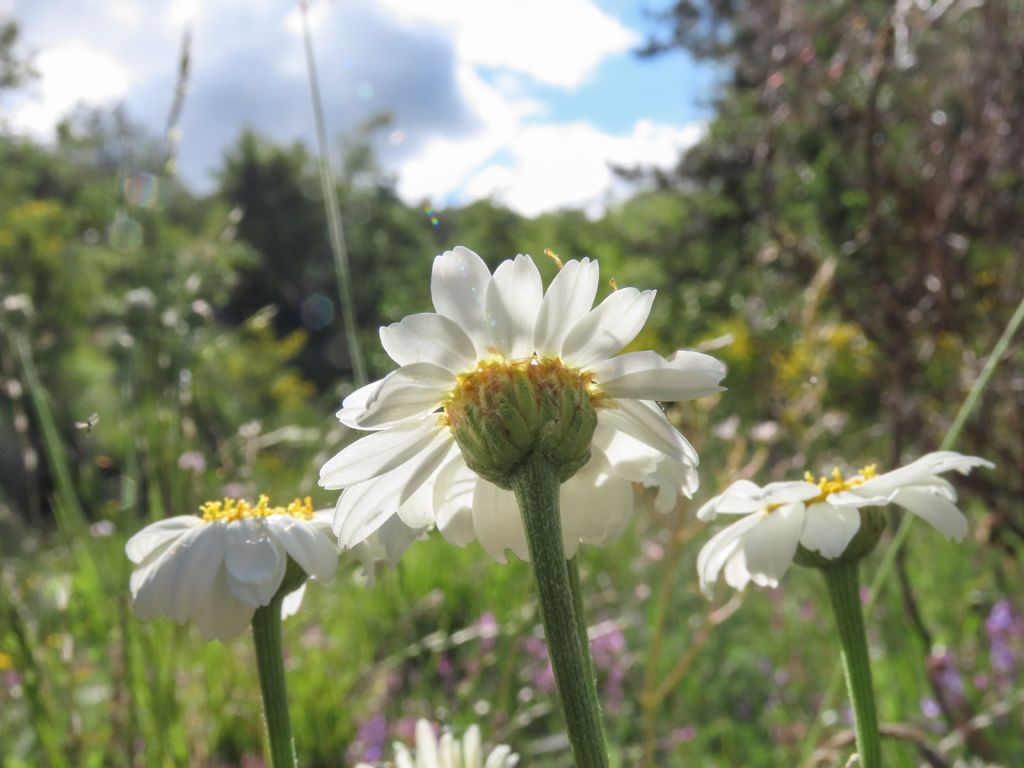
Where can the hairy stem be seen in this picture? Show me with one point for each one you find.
(535, 483)
(266, 634)
(844, 594)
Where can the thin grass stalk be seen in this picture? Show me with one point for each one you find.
(68, 508)
(43, 714)
(333, 210)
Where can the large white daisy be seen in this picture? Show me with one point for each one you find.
(449, 752)
(823, 516)
(218, 567)
(484, 327)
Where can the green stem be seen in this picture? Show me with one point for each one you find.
(266, 634)
(844, 593)
(581, 620)
(535, 483)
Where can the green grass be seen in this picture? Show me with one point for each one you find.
(100, 688)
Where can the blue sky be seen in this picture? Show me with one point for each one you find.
(522, 101)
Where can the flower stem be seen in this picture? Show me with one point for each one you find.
(844, 593)
(535, 483)
(581, 619)
(266, 633)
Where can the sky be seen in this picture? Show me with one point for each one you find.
(525, 102)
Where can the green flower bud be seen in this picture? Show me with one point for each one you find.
(504, 413)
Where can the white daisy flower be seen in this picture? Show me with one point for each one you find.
(822, 517)
(501, 368)
(450, 752)
(218, 567)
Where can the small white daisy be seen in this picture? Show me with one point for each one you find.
(450, 752)
(823, 516)
(218, 567)
(491, 332)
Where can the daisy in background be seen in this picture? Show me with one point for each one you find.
(237, 564)
(449, 752)
(217, 568)
(548, 365)
(823, 517)
(831, 525)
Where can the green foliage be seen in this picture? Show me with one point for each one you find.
(846, 237)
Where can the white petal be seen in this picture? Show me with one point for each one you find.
(255, 595)
(221, 616)
(155, 536)
(472, 748)
(737, 575)
(254, 565)
(649, 376)
(647, 423)
(720, 547)
(499, 756)
(929, 464)
(607, 328)
(601, 498)
(418, 510)
(935, 484)
(513, 301)
(673, 478)
(403, 759)
(147, 588)
(429, 338)
(395, 538)
(788, 491)
(828, 529)
(377, 453)
(769, 549)
(744, 497)
(412, 392)
(940, 512)
(448, 751)
(190, 572)
(426, 745)
(616, 512)
(857, 497)
(453, 501)
(363, 508)
(497, 522)
(293, 601)
(458, 285)
(313, 551)
(353, 406)
(249, 553)
(567, 301)
(631, 459)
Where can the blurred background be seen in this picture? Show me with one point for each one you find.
(827, 196)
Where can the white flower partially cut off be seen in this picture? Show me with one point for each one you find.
(449, 752)
(823, 517)
(216, 568)
(410, 465)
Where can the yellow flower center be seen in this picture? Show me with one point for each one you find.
(504, 412)
(232, 510)
(493, 377)
(838, 483)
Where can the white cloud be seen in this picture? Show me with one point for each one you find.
(467, 81)
(569, 165)
(69, 75)
(556, 42)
